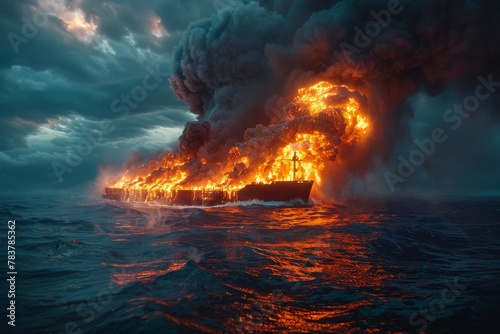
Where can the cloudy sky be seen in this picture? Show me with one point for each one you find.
(85, 83)
(64, 63)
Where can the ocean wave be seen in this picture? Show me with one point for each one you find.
(261, 267)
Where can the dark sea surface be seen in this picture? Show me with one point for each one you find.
(88, 265)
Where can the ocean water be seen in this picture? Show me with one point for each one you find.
(88, 265)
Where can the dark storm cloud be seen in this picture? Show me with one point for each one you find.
(57, 75)
(68, 72)
(117, 18)
(47, 95)
(74, 76)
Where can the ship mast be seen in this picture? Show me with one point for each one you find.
(295, 159)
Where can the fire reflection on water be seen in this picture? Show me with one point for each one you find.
(286, 269)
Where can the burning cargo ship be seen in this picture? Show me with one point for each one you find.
(311, 128)
(276, 191)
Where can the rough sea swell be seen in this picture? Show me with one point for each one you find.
(365, 266)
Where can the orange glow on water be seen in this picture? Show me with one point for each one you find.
(328, 261)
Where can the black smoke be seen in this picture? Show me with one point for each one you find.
(238, 68)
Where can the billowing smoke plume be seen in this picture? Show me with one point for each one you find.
(241, 68)
(193, 137)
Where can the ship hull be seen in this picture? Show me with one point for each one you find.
(279, 191)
